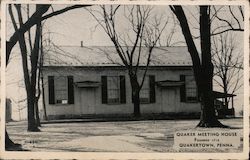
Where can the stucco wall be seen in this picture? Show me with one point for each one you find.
(94, 74)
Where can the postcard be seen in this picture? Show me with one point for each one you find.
(124, 79)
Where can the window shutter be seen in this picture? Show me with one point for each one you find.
(51, 90)
(132, 98)
(122, 89)
(183, 88)
(104, 90)
(70, 90)
(152, 88)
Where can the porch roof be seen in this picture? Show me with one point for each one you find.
(107, 56)
(169, 83)
(87, 84)
(222, 95)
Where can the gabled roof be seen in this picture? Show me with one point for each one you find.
(107, 56)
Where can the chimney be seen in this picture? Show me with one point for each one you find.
(81, 43)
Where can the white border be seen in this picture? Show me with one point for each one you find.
(123, 155)
(3, 84)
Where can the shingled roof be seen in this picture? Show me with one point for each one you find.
(107, 56)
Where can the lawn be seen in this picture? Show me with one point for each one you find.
(127, 136)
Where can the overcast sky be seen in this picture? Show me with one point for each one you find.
(79, 25)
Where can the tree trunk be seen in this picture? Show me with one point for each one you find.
(9, 144)
(32, 125)
(30, 90)
(208, 117)
(38, 123)
(225, 93)
(43, 99)
(135, 94)
(8, 141)
(41, 74)
(36, 17)
(203, 69)
(136, 101)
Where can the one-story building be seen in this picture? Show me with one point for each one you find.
(90, 81)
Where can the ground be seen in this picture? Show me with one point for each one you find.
(129, 136)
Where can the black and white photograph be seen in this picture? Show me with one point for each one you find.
(136, 79)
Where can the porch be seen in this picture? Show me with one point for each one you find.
(223, 106)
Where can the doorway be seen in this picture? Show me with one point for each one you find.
(169, 99)
(87, 100)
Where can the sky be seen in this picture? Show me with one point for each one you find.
(85, 28)
(72, 27)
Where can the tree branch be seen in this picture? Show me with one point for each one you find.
(55, 13)
(178, 11)
(34, 19)
(226, 30)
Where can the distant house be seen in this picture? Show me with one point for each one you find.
(8, 110)
(89, 81)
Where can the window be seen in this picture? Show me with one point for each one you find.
(113, 89)
(188, 91)
(191, 90)
(61, 90)
(145, 91)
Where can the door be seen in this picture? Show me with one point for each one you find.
(87, 100)
(169, 100)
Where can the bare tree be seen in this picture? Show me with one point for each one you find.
(32, 73)
(146, 31)
(203, 68)
(36, 17)
(229, 18)
(18, 36)
(41, 76)
(30, 76)
(168, 39)
(202, 65)
(228, 63)
(30, 46)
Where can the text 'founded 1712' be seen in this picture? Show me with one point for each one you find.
(206, 139)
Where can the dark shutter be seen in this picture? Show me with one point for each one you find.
(122, 89)
(152, 88)
(70, 90)
(51, 90)
(132, 97)
(183, 89)
(104, 90)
